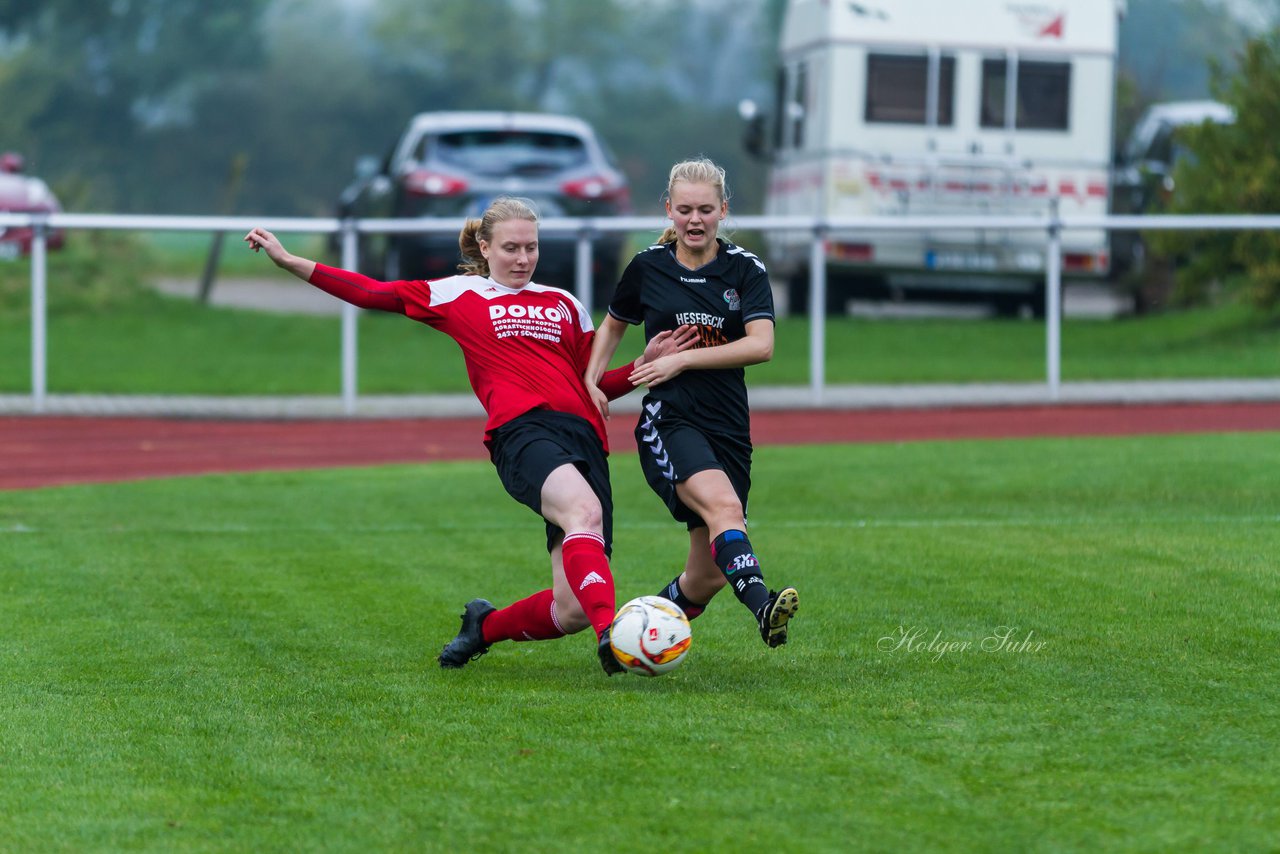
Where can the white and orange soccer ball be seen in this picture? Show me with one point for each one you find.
(650, 636)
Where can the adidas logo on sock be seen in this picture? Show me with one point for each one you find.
(593, 577)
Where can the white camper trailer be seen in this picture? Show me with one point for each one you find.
(937, 107)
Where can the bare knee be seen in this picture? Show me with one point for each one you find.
(725, 513)
(591, 516)
(569, 503)
(584, 515)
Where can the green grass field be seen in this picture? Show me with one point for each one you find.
(245, 663)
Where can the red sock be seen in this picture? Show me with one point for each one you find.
(587, 569)
(529, 619)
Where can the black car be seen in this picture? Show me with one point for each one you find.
(1142, 181)
(453, 164)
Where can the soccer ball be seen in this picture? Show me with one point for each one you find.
(650, 636)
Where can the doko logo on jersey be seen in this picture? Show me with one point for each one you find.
(533, 312)
(529, 320)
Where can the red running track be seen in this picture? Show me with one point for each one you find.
(37, 451)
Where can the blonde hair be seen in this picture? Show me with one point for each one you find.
(698, 170)
(502, 209)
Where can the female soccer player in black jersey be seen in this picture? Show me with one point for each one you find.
(526, 346)
(694, 432)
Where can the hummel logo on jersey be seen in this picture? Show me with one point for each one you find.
(593, 577)
(693, 281)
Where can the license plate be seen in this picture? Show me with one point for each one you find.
(959, 260)
(10, 251)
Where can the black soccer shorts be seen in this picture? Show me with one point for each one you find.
(673, 448)
(529, 447)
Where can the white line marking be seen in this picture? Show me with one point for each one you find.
(479, 525)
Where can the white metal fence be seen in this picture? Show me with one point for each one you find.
(586, 230)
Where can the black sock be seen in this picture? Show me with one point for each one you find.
(673, 592)
(733, 554)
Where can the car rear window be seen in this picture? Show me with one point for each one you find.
(500, 152)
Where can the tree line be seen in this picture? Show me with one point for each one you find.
(262, 106)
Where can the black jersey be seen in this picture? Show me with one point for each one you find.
(720, 298)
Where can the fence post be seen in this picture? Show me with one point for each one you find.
(582, 284)
(350, 261)
(817, 314)
(39, 314)
(1053, 303)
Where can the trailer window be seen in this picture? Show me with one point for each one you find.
(796, 111)
(780, 114)
(1044, 94)
(791, 90)
(898, 89)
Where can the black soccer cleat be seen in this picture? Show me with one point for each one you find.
(775, 616)
(608, 660)
(469, 644)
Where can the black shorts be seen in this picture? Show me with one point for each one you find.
(529, 447)
(673, 448)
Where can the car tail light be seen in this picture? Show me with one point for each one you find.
(424, 182)
(862, 253)
(1084, 262)
(598, 188)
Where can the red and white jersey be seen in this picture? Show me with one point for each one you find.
(525, 348)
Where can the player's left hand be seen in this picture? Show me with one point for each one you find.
(667, 342)
(659, 370)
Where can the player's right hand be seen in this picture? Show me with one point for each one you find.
(599, 398)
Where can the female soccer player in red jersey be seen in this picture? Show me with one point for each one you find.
(694, 432)
(526, 348)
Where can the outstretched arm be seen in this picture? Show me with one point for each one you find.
(347, 286)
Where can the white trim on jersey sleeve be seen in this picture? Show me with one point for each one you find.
(447, 290)
(738, 250)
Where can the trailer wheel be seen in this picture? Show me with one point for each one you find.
(1024, 304)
